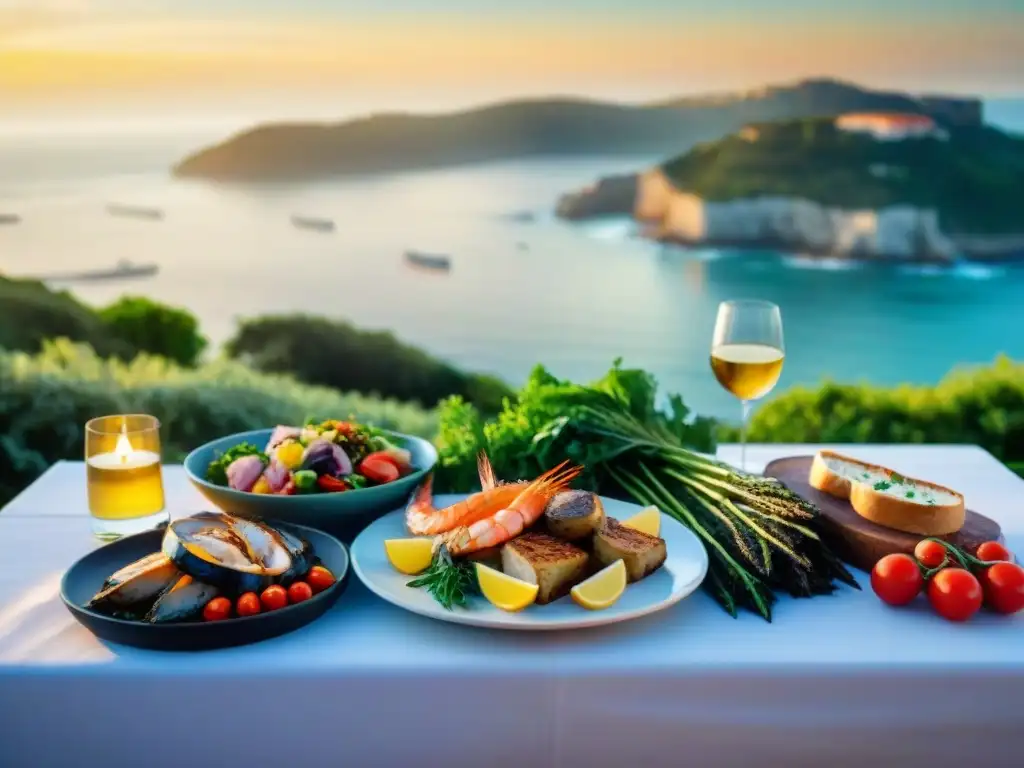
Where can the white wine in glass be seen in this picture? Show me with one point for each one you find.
(747, 354)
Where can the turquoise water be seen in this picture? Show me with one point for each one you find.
(571, 296)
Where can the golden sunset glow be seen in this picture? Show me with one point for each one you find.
(49, 55)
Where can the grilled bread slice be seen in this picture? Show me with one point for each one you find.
(642, 553)
(574, 515)
(554, 565)
(887, 498)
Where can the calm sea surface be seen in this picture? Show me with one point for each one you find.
(520, 292)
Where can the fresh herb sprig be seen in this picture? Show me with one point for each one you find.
(450, 582)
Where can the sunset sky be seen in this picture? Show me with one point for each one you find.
(135, 52)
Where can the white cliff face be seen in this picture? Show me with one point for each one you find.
(897, 232)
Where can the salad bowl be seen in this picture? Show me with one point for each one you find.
(342, 514)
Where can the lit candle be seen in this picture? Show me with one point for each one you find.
(125, 484)
(124, 456)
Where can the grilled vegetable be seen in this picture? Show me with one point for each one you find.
(574, 515)
(556, 566)
(642, 553)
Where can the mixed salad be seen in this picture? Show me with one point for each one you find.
(329, 457)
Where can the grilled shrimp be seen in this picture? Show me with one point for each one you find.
(508, 522)
(422, 519)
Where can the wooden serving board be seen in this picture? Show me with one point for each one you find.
(861, 542)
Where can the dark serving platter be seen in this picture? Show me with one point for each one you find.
(83, 579)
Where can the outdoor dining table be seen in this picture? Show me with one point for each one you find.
(832, 681)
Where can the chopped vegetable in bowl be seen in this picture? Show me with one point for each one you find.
(329, 457)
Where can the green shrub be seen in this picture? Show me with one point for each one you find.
(974, 405)
(30, 313)
(336, 354)
(46, 398)
(156, 328)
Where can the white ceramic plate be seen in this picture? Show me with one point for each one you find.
(682, 573)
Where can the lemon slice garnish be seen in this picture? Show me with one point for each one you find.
(410, 555)
(602, 589)
(504, 591)
(647, 520)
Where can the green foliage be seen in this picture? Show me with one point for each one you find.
(973, 180)
(512, 437)
(156, 328)
(337, 354)
(46, 398)
(30, 313)
(979, 405)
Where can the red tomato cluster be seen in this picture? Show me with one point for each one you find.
(957, 583)
(273, 597)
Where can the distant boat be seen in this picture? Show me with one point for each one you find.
(9, 218)
(429, 260)
(311, 222)
(522, 217)
(135, 211)
(123, 270)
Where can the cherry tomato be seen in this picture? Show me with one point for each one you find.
(377, 469)
(248, 604)
(299, 591)
(274, 597)
(993, 550)
(217, 609)
(930, 554)
(955, 594)
(1003, 584)
(897, 579)
(319, 578)
(331, 484)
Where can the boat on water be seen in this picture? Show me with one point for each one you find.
(314, 223)
(438, 261)
(9, 218)
(135, 211)
(124, 269)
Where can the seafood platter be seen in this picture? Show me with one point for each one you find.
(529, 555)
(207, 580)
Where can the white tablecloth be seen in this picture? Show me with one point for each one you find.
(833, 681)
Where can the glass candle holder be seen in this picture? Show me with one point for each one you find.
(123, 475)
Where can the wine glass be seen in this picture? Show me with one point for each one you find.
(747, 354)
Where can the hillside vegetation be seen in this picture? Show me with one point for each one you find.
(315, 350)
(534, 128)
(46, 398)
(973, 180)
(336, 354)
(982, 405)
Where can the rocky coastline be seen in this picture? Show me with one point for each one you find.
(902, 233)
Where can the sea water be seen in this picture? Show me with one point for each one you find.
(521, 290)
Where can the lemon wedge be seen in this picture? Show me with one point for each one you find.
(410, 555)
(647, 520)
(602, 589)
(504, 591)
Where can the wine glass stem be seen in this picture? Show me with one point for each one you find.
(743, 435)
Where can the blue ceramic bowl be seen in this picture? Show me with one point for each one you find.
(341, 514)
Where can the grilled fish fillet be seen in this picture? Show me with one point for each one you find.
(642, 553)
(573, 515)
(556, 566)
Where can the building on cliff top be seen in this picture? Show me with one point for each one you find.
(890, 126)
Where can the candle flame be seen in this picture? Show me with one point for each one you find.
(123, 449)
